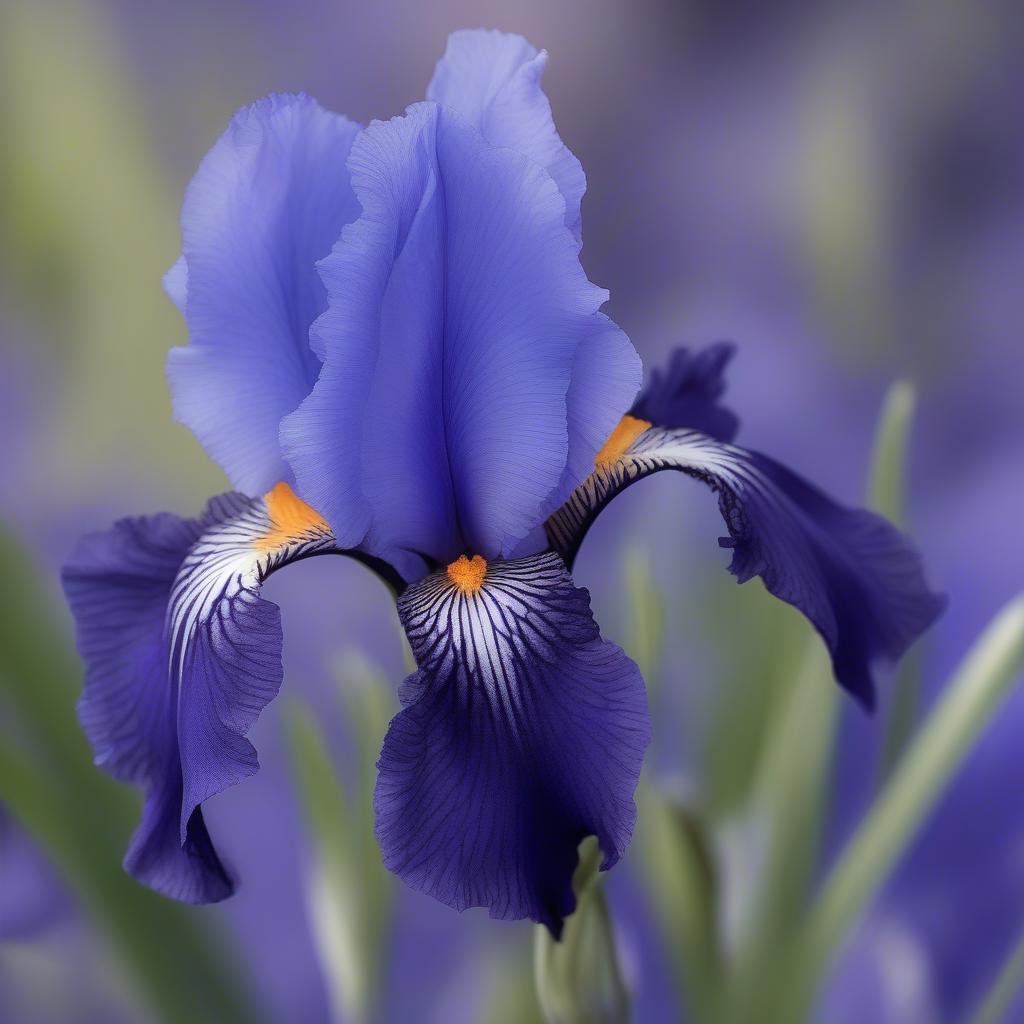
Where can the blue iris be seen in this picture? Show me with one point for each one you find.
(395, 355)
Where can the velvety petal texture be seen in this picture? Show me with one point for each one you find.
(687, 393)
(459, 323)
(492, 80)
(522, 732)
(854, 575)
(181, 655)
(267, 202)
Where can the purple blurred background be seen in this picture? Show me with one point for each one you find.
(836, 187)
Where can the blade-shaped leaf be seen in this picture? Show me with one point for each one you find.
(579, 980)
(175, 957)
(349, 891)
(968, 702)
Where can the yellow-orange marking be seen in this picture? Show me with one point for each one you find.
(291, 519)
(467, 574)
(628, 430)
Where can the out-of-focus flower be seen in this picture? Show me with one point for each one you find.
(31, 897)
(393, 341)
(885, 977)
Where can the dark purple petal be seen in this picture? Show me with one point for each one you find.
(181, 655)
(522, 732)
(459, 320)
(267, 202)
(685, 394)
(855, 576)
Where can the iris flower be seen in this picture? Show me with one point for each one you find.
(395, 355)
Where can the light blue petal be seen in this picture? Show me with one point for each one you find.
(459, 324)
(176, 283)
(267, 202)
(492, 80)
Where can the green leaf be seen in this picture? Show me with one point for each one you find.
(795, 766)
(511, 996)
(1008, 982)
(175, 958)
(368, 700)
(841, 211)
(579, 980)
(886, 494)
(87, 250)
(886, 490)
(787, 807)
(778, 838)
(753, 689)
(682, 883)
(789, 797)
(968, 702)
(645, 616)
(349, 891)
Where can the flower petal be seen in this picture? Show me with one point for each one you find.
(854, 575)
(522, 732)
(492, 80)
(181, 655)
(687, 393)
(457, 311)
(267, 202)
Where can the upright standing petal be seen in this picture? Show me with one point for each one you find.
(267, 202)
(492, 80)
(181, 655)
(854, 575)
(457, 311)
(522, 732)
(686, 394)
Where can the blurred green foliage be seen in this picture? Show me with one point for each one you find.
(349, 891)
(175, 959)
(89, 228)
(579, 980)
(734, 884)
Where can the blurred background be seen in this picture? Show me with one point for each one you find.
(837, 187)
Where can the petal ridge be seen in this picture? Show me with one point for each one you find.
(181, 656)
(469, 373)
(857, 579)
(268, 200)
(522, 731)
(493, 80)
(686, 393)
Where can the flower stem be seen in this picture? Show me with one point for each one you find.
(969, 701)
(1008, 982)
(579, 980)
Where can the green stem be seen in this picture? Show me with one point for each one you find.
(578, 980)
(969, 701)
(174, 965)
(788, 806)
(645, 610)
(886, 495)
(680, 878)
(888, 466)
(82, 819)
(1008, 982)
